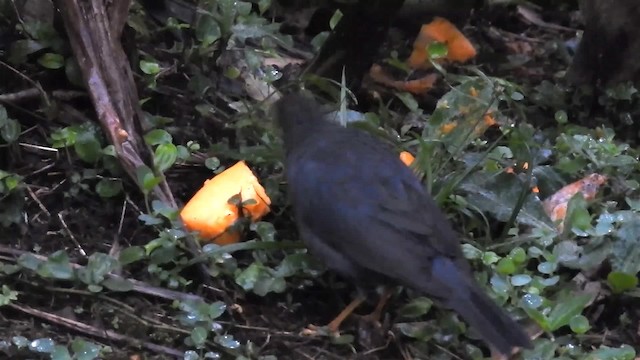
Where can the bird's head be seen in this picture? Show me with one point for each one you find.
(299, 117)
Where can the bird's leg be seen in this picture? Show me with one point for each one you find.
(376, 314)
(334, 325)
(496, 355)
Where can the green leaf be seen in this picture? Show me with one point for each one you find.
(157, 137)
(7, 295)
(243, 8)
(12, 182)
(417, 307)
(621, 282)
(51, 61)
(418, 330)
(165, 156)
(149, 67)
(577, 219)
(408, 100)
(199, 336)
(498, 194)
(118, 284)
(97, 268)
(28, 261)
(565, 309)
(521, 280)
(161, 208)
(257, 278)
(471, 252)
(561, 117)
(624, 352)
(490, 257)
(60, 352)
(544, 350)
(570, 254)
(42, 345)
(517, 96)
(192, 354)
(64, 137)
(537, 316)
(20, 341)
(4, 117)
(506, 266)
(335, 19)
(227, 341)
(437, 50)
(267, 284)
(94, 288)
(73, 72)
(108, 188)
(263, 5)
(518, 255)
(146, 178)
(621, 91)
(216, 309)
(150, 219)
(207, 30)
(294, 263)
(626, 252)
(212, 163)
(547, 267)
(265, 230)
(183, 153)
(84, 350)
(88, 147)
(163, 255)
(131, 255)
(57, 266)
(579, 324)
(10, 131)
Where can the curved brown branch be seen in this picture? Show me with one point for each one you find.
(94, 31)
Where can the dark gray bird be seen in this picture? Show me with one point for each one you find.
(365, 214)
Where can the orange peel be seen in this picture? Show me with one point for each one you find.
(407, 158)
(556, 205)
(210, 213)
(440, 30)
(417, 86)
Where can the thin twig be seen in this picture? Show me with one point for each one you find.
(73, 238)
(94, 331)
(37, 200)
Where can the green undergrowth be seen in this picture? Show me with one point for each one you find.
(573, 283)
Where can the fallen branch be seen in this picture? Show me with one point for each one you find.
(138, 286)
(94, 331)
(94, 31)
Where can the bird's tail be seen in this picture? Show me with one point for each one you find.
(492, 323)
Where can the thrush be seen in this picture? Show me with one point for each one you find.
(364, 213)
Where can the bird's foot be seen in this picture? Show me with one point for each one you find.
(314, 330)
(371, 332)
(372, 319)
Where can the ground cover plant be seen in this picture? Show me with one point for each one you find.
(539, 178)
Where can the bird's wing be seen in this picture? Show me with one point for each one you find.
(379, 216)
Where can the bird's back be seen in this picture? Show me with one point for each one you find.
(366, 215)
(351, 189)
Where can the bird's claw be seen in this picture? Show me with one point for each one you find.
(310, 330)
(314, 330)
(372, 319)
